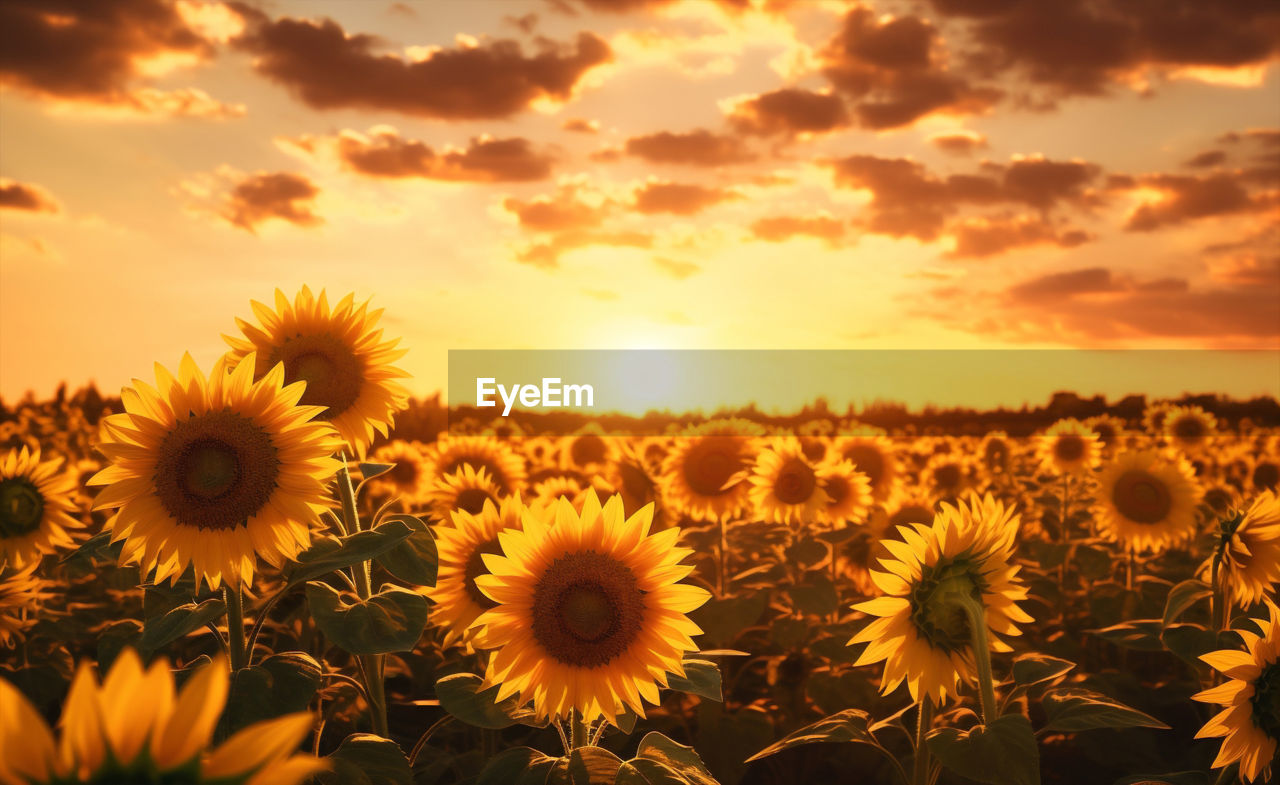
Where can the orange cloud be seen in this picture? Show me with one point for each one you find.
(693, 148)
(788, 111)
(780, 228)
(556, 213)
(266, 196)
(387, 154)
(679, 198)
(25, 196)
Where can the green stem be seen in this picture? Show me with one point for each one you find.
(371, 664)
(1217, 610)
(722, 574)
(981, 656)
(577, 730)
(924, 720)
(835, 585)
(235, 627)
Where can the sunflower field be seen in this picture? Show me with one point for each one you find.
(281, 569)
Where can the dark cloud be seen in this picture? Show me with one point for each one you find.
(26, 197)
(556, 213)
(1084, 46)
(789, 111)
(978, 238)
(675, 268)
(958, 142)
(95, 52)
(693, 148)
(1187, 198)
(579, 125)
(679, 198)
(779, 228)
(546, 255)
(328, 68)
(1206, 159)
(891, 68)
(1267, 137)
(263, 196)
(387, 154)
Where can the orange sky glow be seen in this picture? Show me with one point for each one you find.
(641, 174)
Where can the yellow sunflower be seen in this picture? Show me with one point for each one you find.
(1153, 417)
(457, 600)
(1189, 427)
(630, 475)
(947, 475)
(875, 457)
(922, 636)
(20, 594)
(1250, 546)
(1110, 430)
(848, 492)
(1251, 721)
(465, 489)
(504, 465)
(339, 353)
(1265, 474)
(700, 474)
(410, 478)
(209, 473)
(589, 448)
(995, 454)
(1147, 501)
(135, 727)
(590, 614)
(539, 451)
(1069, 447)
(785, 487)
(36, 502)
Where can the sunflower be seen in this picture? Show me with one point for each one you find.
(1250, 548)
(1189, 427)
(848, 492)
(591, 614)
(1110, 430)
(1153, 417)
(505, 467)
(875, 457)
(785, 487)
(548, 492)
(589, 448)
(700, 473)
(1069, 447)
(1147, 500)
(1251, 721)
(995, 454)
(538, 450)
(630, 475)
(922, 635)
(410, 477)
(208, 473)
(339, 353)
(465, 489)
(947, 475)
(20, 592)
(135, 727)
(1265, 474)
(457, 600)
(36, 499)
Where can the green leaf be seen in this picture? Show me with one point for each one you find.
(1143, 635)
(816, 596)
(366, 759)
(370, 470)
(96, 547)
(1182, 597)
(850, 725)
(1002, 753)
(722, 619)
(460, 695)
(413, 560)
(281, 684)
(647, 772)
(1093, 563)
(593, 766)
(115, 637)
(1075, 709)
(518, 766)
(678, 758)
(1189, 641)
(700, 678)
(337, 553)
(180, 621)
(391, 620)
(1035, 668)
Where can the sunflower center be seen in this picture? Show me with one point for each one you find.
(947, 475)
(471, 500)
(404, 474)
(1106, 433)
(837, 489)
(1188, 428)
(587, 608)
(1142, 497)
(813, 449)
(1069, 447)
(868, 460)
(796, 482)
(475, 568)
(911, 513)
(710, 463)
(587, 449)
(996, 455)
(936, 603)
(1266, 475)
(1266, 701)
(21, 507)
(332, 371)
(216, 470)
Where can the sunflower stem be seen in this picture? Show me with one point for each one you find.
(981, 655)
(924, 720)
(1128, 580)
(722, 574)
(235, 627)
(1217, 610)
(577, 730)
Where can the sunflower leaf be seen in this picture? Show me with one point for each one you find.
(1143, 634)
(1001, 753)
(1184, 596)
(701, 678)
(678, 758)
(461, 696)
(370, 470)
(414, 559)
(366, 759)
(518, 766)
(334, 553)
(281, 684)
(850, 725)
(641, 771)
(593, 766)
(1035, 668)
(183, 620)
(390, 621)
(1075, 709)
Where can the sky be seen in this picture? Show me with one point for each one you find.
(640, 174)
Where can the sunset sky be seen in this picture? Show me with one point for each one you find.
(949, 174)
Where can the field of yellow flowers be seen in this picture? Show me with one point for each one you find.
(280, 569)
